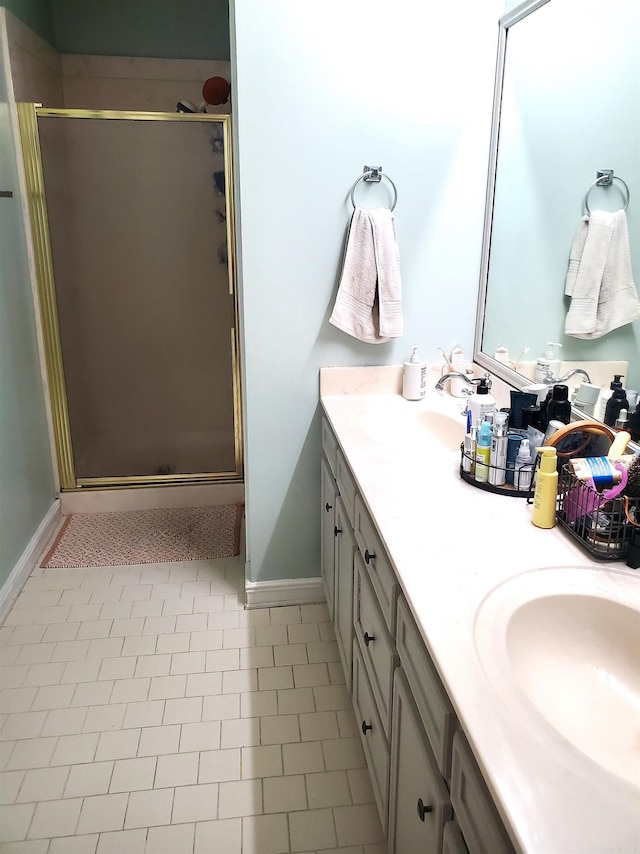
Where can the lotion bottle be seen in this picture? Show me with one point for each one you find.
(524, 467)
(483, 453)
(543, 514)
(547, 364)
(605, 394)
(414, 377)
(482, 402)
(498, 458)
(457, 386)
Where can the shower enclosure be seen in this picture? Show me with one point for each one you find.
(132, 221)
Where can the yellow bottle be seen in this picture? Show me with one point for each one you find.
(543, 514)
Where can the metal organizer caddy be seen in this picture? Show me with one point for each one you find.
(604, 528)
(468, 461)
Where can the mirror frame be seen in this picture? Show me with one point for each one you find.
(483, 359)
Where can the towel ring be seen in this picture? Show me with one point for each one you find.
(604, 179)
(375, 174)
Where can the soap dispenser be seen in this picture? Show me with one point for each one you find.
(414, 377)
(482, 402)
(601, 406)
(547, 364)
(615, 405)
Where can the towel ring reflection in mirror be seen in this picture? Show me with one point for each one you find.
(604, 178)
(373, 174)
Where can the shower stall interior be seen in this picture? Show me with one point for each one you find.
(132, 220)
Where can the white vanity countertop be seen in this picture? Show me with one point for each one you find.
(451, 544)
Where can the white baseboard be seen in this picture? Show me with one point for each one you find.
(286, 591)
(29, 559)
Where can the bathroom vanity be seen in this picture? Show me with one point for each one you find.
(459, 624)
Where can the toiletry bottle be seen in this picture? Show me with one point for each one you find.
(586, 397)
(498, 456)
(524, 466)
(502, 355)
(547, 364)
(469, 456)
(483, 452)
(513, 446)
(482, 401)
(622, 420)
(633, 424)
(543, 514)
(544, 407)
(531, 421)
(605, 394)
(559, 408)
(414, 377)
(616, 403)
(457, 386)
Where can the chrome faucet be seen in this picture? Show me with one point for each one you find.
(453, 375)
(549, 379)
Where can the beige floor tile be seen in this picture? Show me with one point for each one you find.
(221, 707)
(159, 740)
(274, 678)
(153, 665)
(182, 711)
(102, 813)
(195, 803)
(177, 607)
(256, 657)
(10, 782)
(122, 842)
(121, 744)
(328, 789)
(360, 786)
(318, 726)
(24, 725)
(118, 668)
(167, 687)
(130, 775)
(205, 639)
(92, 693)
(92, 629)
(170, 839)
(332, 697)
(243, 732)
(104, 718)
(193, 622)
(91, 778)
(311, 829)
(343, 753)
(303, 758)
(44, 674)
(217, 766)
(177, 769)
(16, 819)
(303, 633)
(80, 671)
(295, 653)
(323, 651)
(33, 753)
(271, 635)
(61, 632)
(295, 701)
(284, 794)
(144, 714)
(254, 704)
(318, 613)
(159, 625)
(188, 662)
(17, 700)
(265, 834)
(279, 729)
(239, 681)
(357, 825)
(35, 653)
(139, 645)
(130, 690)
(203, 684)
(218, 837)
(240, 798)
(105, 648)
(85, 844)
(239, 638)
(149, 808)
(55, 818)
(222, 660)
(200, 736)
(43, 784)
(176, 642)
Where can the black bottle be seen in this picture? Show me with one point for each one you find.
(544, 411)
(633, 424)
(615, 404)
(559, 408)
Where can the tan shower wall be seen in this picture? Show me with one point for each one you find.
(145, 314)
(36, 69)
(137, 83)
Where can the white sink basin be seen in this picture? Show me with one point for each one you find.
(397, 423)
(571, 650)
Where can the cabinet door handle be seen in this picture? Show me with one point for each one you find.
(423, 810)
(368, 638)
(365, 727)
(328, 506)
(368, 556)
(336, 531)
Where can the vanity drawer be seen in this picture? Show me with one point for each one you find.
(452, 839)
(329, 445)
(374, 742)
(475, 811)
(376, 644)
(433, 703)
(346, 485)
(378, 567)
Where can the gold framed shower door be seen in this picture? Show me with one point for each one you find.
(28, 115)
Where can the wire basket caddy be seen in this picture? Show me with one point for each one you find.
(603, 527)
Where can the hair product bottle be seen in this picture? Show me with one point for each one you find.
(414, 377)
(543, 514)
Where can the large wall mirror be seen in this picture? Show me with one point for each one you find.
(567, 104)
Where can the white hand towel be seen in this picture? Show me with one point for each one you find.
(369, 296)
(599, 278)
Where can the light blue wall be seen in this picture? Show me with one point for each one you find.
(322, 89)
(36, 14)
(26, 477)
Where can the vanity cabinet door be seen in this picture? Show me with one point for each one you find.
(329, 494)
(419, 802)
(345, 547)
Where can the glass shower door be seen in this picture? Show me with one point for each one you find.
(140, 225)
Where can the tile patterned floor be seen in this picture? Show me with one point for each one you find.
(143, 710)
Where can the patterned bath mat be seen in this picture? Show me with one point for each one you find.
(146, 536)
